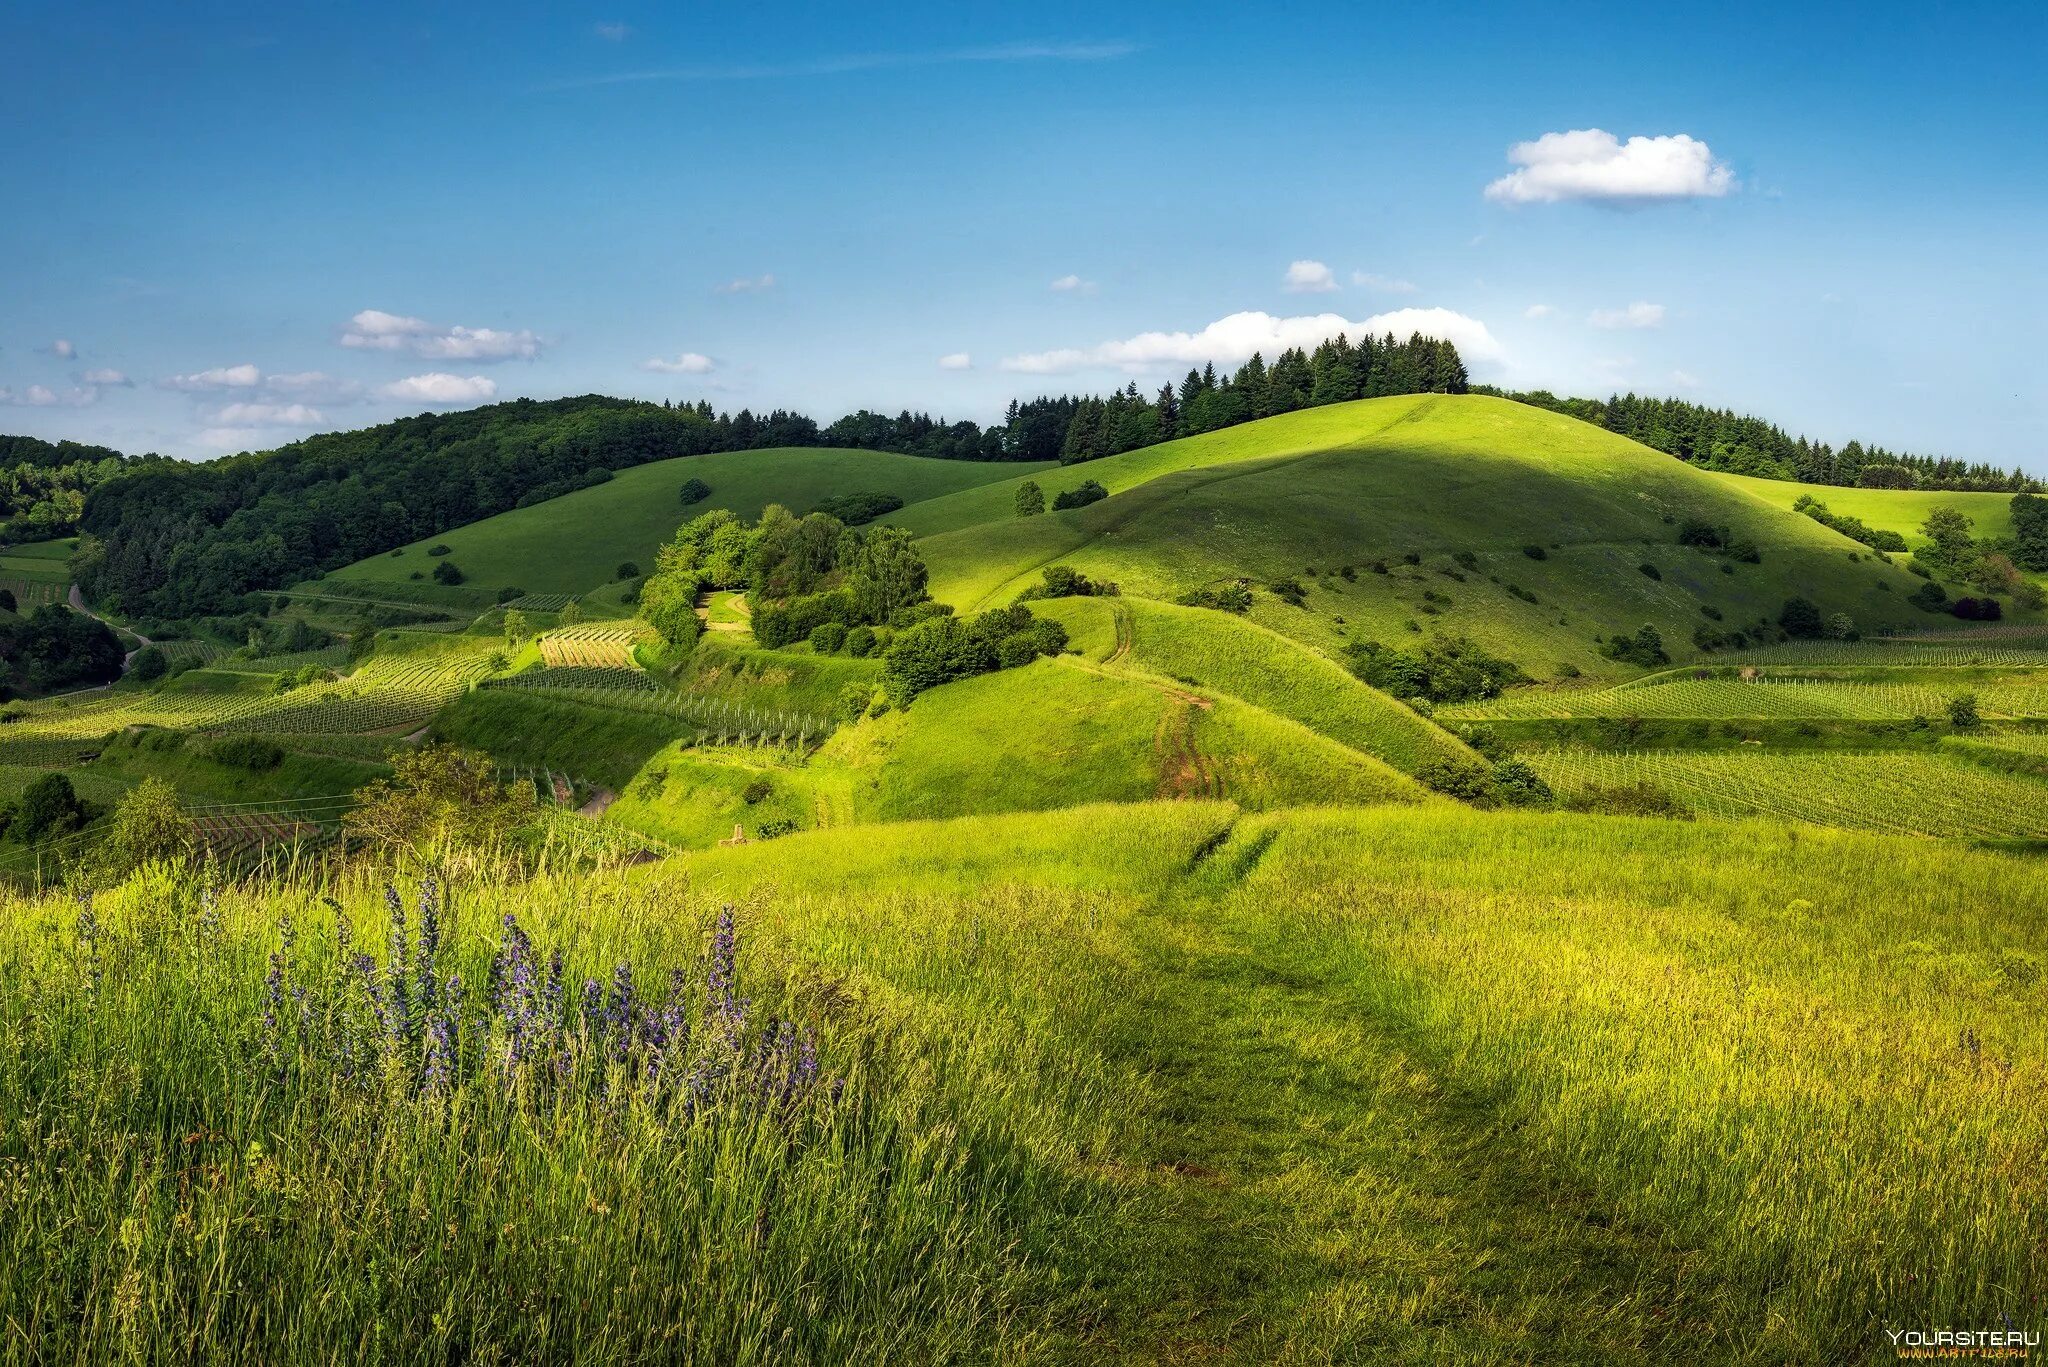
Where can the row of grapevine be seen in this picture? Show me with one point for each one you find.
(1902, 792)
(1759, 700)
(714, 720)
(589, 646)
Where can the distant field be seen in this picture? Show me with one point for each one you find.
(1766, 699)
(1894, 510)
(1897, 792)
(576, 543)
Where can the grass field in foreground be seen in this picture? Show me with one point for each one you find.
(575, 543)
(1153, 1083)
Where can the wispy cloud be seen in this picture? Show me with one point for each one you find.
(63, 350)
(958, 360)
(747, 284)
(614, 33)
(376, 330)
(42, 396)
(689, 363)
(859, 61)
(1072, 284)
(1640, 314)
(305, 385)
(1385, 284)
(113, 378)
(1538, 311)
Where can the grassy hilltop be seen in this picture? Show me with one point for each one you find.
(1322, 495)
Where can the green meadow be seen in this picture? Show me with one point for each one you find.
(1158, 1082)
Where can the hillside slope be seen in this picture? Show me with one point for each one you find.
(575, 543)
(1528, 531)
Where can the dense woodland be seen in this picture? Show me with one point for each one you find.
(43, 484)
(1721, 439)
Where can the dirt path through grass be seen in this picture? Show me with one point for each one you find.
(1324, 1196)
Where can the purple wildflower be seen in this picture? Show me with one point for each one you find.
(721, 979)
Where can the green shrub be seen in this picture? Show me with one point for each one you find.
(1087, 492)
(827, 637)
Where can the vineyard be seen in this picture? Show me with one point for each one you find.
(590, 647)
(544, 602)
(2026, 647)
(713, 721)
(1759, 700)
(1892, 791)
(387, 693)
(198, 652)
(34, 593)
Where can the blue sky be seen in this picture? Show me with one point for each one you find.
(227, 226)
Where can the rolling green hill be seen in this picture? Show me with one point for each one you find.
(575, 543)
(1526, 530)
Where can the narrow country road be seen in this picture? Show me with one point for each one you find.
(78, 605)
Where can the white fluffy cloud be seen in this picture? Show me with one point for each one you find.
(1637, 315)
(438, 387)
(63, 349)
(1308, 277)
(1232, 340)
(267, 415)
(1592, 164)
(747, 284)
(376, 330)
(1385, 284)
(1072, 284)
(688, 363)
(958, 360)
(112, 378)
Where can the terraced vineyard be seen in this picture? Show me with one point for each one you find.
(544, 602)
(592, 646)
(387, 693)
(1763, 699)
(711, 719)
(1903, 793)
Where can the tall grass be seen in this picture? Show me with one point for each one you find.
(215, 1153)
